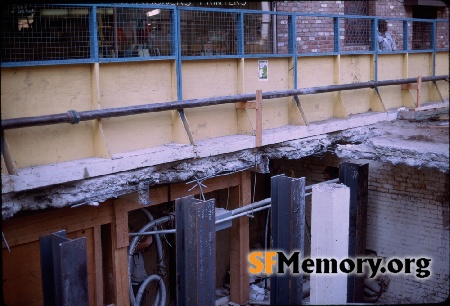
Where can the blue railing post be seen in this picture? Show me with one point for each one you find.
(292, 45)
(93, 30)
(337, 34)
(240, 34)
(176, 47)
(405, 34)
(433, 44)
(374, 34)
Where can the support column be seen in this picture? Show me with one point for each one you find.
(64, 270)
(195, 251)
(329, 240)
(120, 243)
(288, 228)
(356, 176)
(239, 242)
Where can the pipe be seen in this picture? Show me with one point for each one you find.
(235, 213)
(159, 248)
(264, 23)
(131, 249)
(251, 206)
(161, 291)
(75, 117)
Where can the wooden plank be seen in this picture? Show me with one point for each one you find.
(25, 229)
(22, 283)
(221, 182)
(158, 195)
(258, 118)
(239, 242)
(120, 276)
(121, 223)
(98, 263)
(245, 105)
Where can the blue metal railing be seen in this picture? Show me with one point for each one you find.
(298, 35)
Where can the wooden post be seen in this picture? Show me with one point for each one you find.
(98, 263)
(419, 85)
(120, 253)
(239, 243)
(257, 106)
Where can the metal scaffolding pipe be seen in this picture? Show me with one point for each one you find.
(74, 117)
(237, 212)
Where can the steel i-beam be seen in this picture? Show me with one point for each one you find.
(288, 228)
(195, 251)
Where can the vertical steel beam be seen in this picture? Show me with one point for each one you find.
(355, 176)
(195, 251)
(64, 270)
(288, 225)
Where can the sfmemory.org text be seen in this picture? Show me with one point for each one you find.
(271, 262)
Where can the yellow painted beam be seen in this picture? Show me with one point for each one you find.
(7, 158)
(295, 113)
(100, 145)
(339, 110)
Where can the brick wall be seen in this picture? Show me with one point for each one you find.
(316, 35)
(407, 215)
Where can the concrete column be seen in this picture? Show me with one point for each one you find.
(329, 240)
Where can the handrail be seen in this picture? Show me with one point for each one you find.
(75, 117)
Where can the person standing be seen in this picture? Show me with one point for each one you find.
(385, 40)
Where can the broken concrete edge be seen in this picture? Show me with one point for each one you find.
(405, 157)
(64, 172)
(99, 189)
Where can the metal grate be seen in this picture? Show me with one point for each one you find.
(134, 32)
(355, 34)
(315, 34)
(208, 33)
(357, 30)
(44, 32)
(421, 35)
(258, 38)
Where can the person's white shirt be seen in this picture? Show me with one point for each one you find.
(386, 43)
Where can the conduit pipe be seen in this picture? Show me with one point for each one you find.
(161, 266)
(160, 296)
(74, 117)
(237, 212)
